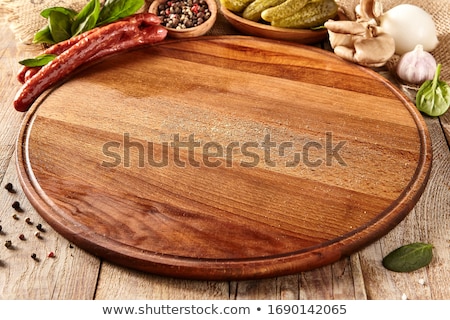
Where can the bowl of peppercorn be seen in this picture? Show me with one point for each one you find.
(185, 18)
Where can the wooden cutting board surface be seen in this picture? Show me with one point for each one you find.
(224, 158)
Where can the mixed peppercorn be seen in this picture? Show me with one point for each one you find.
(183, 14)
(16, 216)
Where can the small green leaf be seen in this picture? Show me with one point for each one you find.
(64, 23)
(116, 9)
(87, 18)
(60, 25)
(433, 97)
(409, 257)
(38, 61)
(44, 36)
(68, 12)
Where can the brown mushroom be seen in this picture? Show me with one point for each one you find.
(369, 10)
(362, 41)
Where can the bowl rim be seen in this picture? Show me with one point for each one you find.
(212, 6)
(231, 15)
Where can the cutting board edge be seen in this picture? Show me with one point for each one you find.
(223, 270)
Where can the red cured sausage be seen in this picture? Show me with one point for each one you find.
(120, 47)
(117, 36)
(27, 72)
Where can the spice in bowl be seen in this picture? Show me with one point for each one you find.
(185, 18)
(182, 14)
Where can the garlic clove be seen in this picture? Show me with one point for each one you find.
(416, 66)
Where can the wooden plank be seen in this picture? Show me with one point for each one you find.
(116, 282)
(340, 281)
(343, 282)
(10, 119)
(445, 123)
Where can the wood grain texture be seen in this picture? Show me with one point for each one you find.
(11, 121)
(116, 282)
(191, 217)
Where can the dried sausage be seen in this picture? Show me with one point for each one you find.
(142, 18)
(131, 32)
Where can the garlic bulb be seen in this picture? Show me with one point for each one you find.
(409, 25)
(416, 66)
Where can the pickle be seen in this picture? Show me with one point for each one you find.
(287, 8)
(254, 9)
(312, 15)
(236, 5)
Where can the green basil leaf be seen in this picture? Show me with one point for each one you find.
(87, 18)
(433, 97)
(44, 36)
(116, 9)
(60, 26)
(38, 61)
(67, 11)
(65, 23)
(409, 257)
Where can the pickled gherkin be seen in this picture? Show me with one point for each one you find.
(236, 5)
(314, 14)
(254, 9)
(283, 10)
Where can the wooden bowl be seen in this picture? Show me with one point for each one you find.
(248, 27)
(189, 32)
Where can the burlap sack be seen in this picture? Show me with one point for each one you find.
(25, 20)
(24, 17)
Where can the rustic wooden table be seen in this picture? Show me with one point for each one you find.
(76, 274)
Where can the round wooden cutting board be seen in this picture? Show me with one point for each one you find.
(224, 158)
